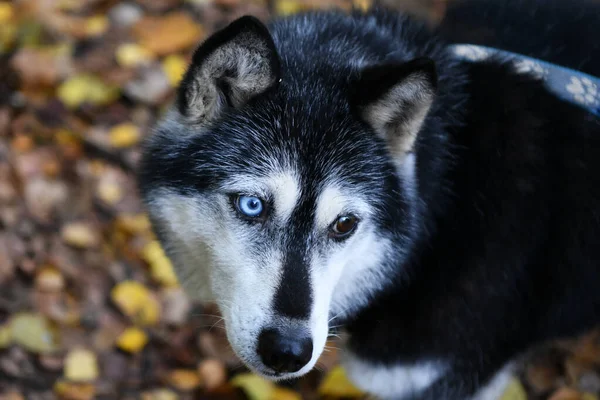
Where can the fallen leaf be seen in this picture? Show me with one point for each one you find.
(161, 267)
(336, 384)
(137, 302)
(132, 55)
(96, 25)
(79, 234)
(109, 192)
(86, 88)
(213, 373)
(254, 386)
(6, 12)
(289, 7)
(174, 66)
(81, 365)
(124, 135)
(362, 4)
(5, 336)
(132, 340)
(160, 394)
(184, 379)
(33, 332)
(514, 391)
(49, 279)
(281, 393)
(74, 391)
(169, 34)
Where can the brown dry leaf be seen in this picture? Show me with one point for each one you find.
(336, 384)
(133, 340)
(80, 235)
(41, 67)
(213, 373)
(81, 365)
(254, 386)
(184, 379)
(137, 302)
(169, 34)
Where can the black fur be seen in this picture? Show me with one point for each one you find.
(501, 247)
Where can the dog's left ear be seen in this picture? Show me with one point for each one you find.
(227, 70)
(394, 100)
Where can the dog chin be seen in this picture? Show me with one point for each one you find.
(281, 377)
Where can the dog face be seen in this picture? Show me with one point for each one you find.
(281, 198)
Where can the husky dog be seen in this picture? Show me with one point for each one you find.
(335, 168)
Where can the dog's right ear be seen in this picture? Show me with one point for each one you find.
(228, 69)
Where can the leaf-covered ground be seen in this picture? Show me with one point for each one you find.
(89, 305)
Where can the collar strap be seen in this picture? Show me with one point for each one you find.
(568, 84)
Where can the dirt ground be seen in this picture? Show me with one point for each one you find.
(89, 305)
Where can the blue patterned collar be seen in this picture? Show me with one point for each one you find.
(568, 84)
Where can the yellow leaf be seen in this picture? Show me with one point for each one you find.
(96, 25)
(79, 234)
(5, 338)
(160, 265)
(33, 332)
(160, 394)
(86, 88)
(136, 301)
(134, 224)
(124, 135)
(255, 387)
(109, 192)
(184, 379)
(49, 279)
(132, 340)
(288, 7)
(336, 384)
(174, 67)
(7, 12)
(589, 396)
(74, 391)
(132, 55)
(81, 365)
(362, 4)
(514, 391)
(280, 393)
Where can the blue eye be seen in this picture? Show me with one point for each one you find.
(250, 206)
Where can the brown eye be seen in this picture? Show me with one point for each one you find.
(343, 226)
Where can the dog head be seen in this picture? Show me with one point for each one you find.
(283, 190)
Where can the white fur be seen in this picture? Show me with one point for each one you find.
(286, 190)
(395, 382)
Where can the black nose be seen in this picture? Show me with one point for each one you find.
(284, 353)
